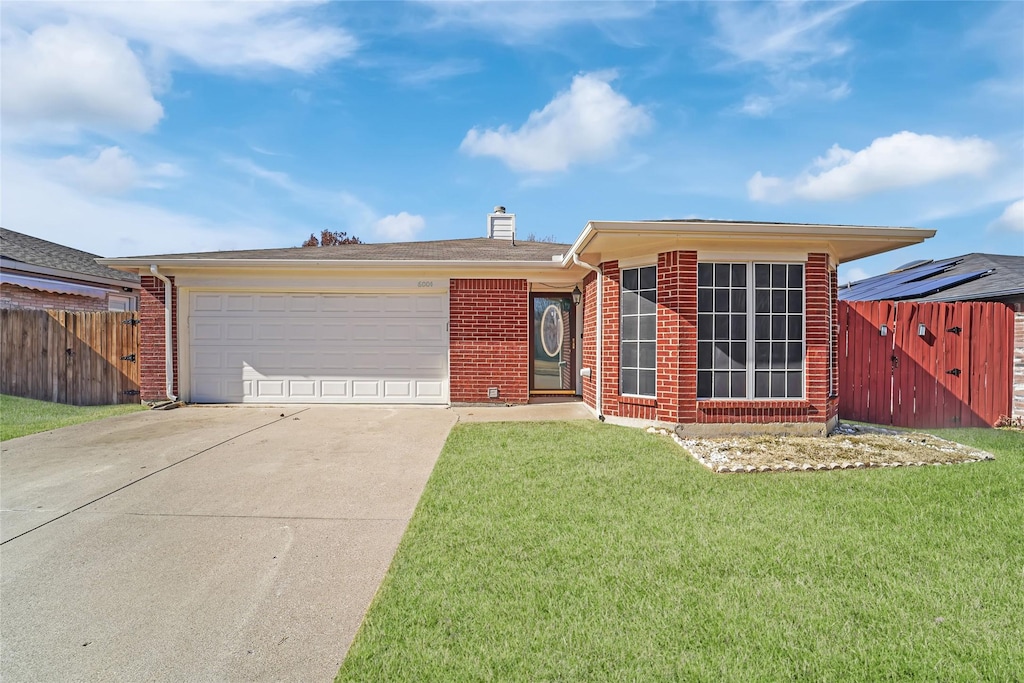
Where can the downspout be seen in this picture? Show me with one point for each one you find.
(168, 350)
(599, 375)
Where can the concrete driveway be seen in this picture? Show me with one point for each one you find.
(205, 543)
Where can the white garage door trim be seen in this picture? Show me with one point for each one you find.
(308, 347)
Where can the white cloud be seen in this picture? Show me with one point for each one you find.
(421, 76)
(852, 274)
(38, 203)
(112, 171)
(785, 41)
(757, 106)
(1012, 218)
(529, 22)
(74, 75)
(401, 227)
(213, 35)
(780, 35)
(585, 123)
(352, 214)
(97, 65)
(902, 160)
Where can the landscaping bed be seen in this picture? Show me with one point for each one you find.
(849, 447)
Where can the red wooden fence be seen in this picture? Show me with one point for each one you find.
(958, 373)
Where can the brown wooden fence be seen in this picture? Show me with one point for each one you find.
(933, 365)
(69, 356)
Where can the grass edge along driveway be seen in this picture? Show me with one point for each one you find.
(583, 551)
(24, 416)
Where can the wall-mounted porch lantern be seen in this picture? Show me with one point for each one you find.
(922, 330)
(577, 295)
(883, 331)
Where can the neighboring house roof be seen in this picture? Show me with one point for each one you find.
(472, 249)
(971, 277)
(30, 254)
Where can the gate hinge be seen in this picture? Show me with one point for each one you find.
(130, 392)
(130, 356)
(130, 321)
(955, 372)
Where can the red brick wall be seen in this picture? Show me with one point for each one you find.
(610, 340)
(589, 343)
(13, 296)
(677, 351)
(152, 363)
(489, 340)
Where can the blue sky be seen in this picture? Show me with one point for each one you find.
(134, 128)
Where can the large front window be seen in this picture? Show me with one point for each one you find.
(638, 331)
(750, 330)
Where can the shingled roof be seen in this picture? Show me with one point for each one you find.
(971, 277)
(471, 249)
(16, 246)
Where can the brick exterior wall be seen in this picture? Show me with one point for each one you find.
(152, 364)
(489, 340)
(1018, 361)
(676, 399)
(588, 346)
(13, 296)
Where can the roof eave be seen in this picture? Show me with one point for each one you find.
(131, 264)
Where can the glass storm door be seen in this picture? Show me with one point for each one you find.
(552, 369)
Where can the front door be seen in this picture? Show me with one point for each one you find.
(552, 337)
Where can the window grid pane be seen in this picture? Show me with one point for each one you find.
(778, 330)
(722, 330)
(638, 331)
(769, 337)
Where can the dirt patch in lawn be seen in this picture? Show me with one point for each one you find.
(849, 447)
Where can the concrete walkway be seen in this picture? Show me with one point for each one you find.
(205, 543)
(550, 409)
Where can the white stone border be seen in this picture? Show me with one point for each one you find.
(792, 467)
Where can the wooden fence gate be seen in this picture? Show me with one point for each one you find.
(925, 364)
(69, 356)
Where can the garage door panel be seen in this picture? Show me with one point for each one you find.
(336, 303)
(207, 331)
(302, 303)
(270, 388)
(240, 302)
(366, 388)
(239, 332)
(337, 348)
(302, 332)
(271, 303)
(334, 389)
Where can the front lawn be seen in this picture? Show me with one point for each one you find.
(583, 551)
(22, 416)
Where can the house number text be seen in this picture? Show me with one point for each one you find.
(425, 283)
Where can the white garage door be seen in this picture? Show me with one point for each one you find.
(318, 348)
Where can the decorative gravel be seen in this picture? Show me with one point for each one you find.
(848, 447)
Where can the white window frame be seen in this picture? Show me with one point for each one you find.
(638, 368)
(750, 365)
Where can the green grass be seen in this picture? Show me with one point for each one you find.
(582, 551)
(22, 416)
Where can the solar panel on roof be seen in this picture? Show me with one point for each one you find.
(914, 289)
(878, 287)
(912, 264)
